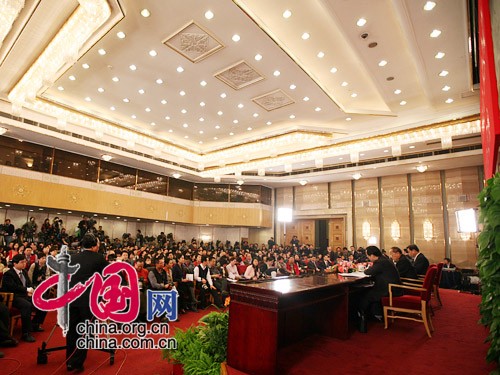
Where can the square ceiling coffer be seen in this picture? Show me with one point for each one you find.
(273, 100)
(193, 42)
(239, 75)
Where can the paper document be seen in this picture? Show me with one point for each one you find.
(358, 274)
(190, 277)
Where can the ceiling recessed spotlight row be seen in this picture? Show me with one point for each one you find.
(429, 5)
(435, 33)
(120, 34)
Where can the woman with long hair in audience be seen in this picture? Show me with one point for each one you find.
(253, 272)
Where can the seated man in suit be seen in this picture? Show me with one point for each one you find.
(205, 284)
(16, 281)
(403, 264)
(420, 262)
(448, 264)
(324, 263)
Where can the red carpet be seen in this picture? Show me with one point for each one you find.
(457, 347)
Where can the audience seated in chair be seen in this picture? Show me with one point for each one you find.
(204, 283)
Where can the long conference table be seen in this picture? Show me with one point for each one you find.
(267, 315)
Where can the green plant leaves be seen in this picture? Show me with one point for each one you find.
(489, 264)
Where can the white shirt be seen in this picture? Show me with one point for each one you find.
(197, 274)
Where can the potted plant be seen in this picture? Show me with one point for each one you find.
(201, 349)
(489, 264)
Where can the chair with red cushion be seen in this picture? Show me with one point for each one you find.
(435, 286)
(411, 304)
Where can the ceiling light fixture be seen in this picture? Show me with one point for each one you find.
(240, 182)
(209, 15)
(133, 67)
(100, 89)
(240, 105)
(180, 69)
(72, 78)
(356, 176)
(422, 168)
(268, 123)
(446, 88)
(60, 88)
(106, 157)
(115, 79)
(145, 13)
(140, 91)
(348, 119)
(333, 70)
(236, 38)
(402, 102)
(202, 104)
(258, 57)
(120, 34)
(353, 95)
(306, 36)
(344, 84)
(220, 113)
(429, 5)
(85, 66)
(101, 51)
(287, 13)
(397, 92)
(182, 93)
(163, 101)
(317, 109)
(306, 98)
(203, 83)
(303, 182)
(223, 95)
(382, 63)
(153, 53)
(439, 55)
(448, 101)
(321, 54)
(361, 22)
(435, 33)
(443, 73)
(176, 175)
(292, 87)
(276, 73)
(255, 115)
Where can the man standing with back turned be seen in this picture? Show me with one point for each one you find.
(90, 262)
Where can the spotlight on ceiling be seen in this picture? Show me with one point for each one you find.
(106, 157)
(422, 168)
(303, 182)
(176, 175)
(356, 176)
(3, 131)
(240, 182)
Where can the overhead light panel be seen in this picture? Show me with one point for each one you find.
(106, 157)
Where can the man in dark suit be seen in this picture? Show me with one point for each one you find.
(420, 262)
(383, 273)
(90, 261)
(16, 281)
(403, 264)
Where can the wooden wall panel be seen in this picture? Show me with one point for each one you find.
(428, 205)
(336, 230)
(395, 207)
(367, 209)
(462, 188)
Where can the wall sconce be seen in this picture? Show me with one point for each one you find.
(366, 230)
(428, 230)
(395, 230)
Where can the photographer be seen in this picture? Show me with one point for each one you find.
(8, 231)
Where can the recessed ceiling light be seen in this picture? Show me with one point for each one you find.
(120, 34)
(216, 138)
(115, 79)
(235, 121)
(163, 101)
(201, 132)
(60, 88)
(446, 88)
(397, 91)
(435, 33)
(202, 104)
(223, 95)
(276, 73)
(147, 109)
(317, 109)
(140, 91)
(170, 131)
(167, 118)
(152, 123)
(145, 13)
(443, 73)
(258, 57)
(348, 119)
(382, 63)
(320, 54)
(249, 128)
(353, 95)
(449, 100)
(287, 13)
(429, 5)
(126, 100)
(255, 115)
(201, 119)
(106, 157)
(306, 36)
(292, 116)
(182, 93)
(85, 66)
(220, 113)
(292, 87)
(185, 125)
(344, 84)
(72, 78)
(361, 22)
(240, 105)
(236, 38)
(268, 123)
(333, 70)
(101, 52)
(134, 116)
(439, 55)
(180, 69)
(305, 98)
(183, 111)
(231, 133)
(402, 102)
(112, 108)
(87, 99)
(411, 146)
(153, 53)
(386, 150)
(100, 89)
(203, 83)
(159, 81)
(217, 126)
(209, 15)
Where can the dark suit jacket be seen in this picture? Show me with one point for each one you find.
(323, 266)
(405, 268)
(421, 264)
(383, 273)
(90, 263)
(12, 283)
